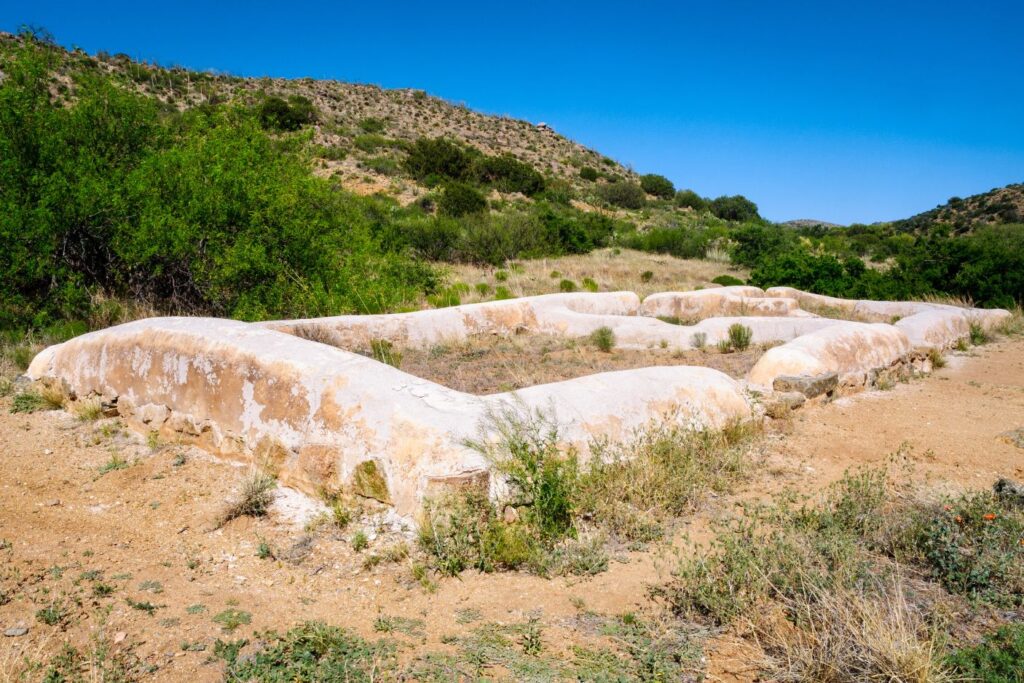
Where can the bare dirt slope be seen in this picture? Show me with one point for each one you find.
(96, 546)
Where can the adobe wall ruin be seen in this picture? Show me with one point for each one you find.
(322, 417)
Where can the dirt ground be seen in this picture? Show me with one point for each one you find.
(486, 364)
(144, 531)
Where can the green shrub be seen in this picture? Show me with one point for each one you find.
(140, 212)
(734, 208)
(997, 659)
(623, 194)
(312, 651)
(567, 286)
(278, 114)
(383, 165)
(501, 275)
(590, 284)
(657, 185)
(460, 199)
(680, 242)
(588, 173)
(482, 288)
(502, 293)
(603, 338)
(27, 402)
(370, 142)
(978, 334)
(692, 200)
(647, 276)
(231, 618)
(540, 478)
(508, 174)
(727, 280)
(437, 157)
(372, 124)
(740, 336)
(972, 546)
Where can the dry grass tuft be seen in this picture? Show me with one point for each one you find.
(88, 409)
(253, 498)
(849, 635)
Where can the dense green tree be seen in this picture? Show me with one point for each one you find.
(692, 200)
(508, 174)
(459, 199)
(437, 157)
(657, 185)
(623, 194)
(734, 208)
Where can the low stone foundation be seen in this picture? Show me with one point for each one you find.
(323, 419)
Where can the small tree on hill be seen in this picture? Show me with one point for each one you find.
(622, 194)
(460, 199)
(657, 185)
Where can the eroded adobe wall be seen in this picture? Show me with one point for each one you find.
(317, 416)
(322, 418)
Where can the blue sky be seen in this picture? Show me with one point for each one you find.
(861, 112)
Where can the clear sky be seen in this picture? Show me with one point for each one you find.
(852, 111)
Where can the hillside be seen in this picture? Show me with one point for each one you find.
(192, 193)
(359, 129)
(997, 206)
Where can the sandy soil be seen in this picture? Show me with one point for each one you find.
(145, 530)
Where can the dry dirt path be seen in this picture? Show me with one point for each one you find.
(145, 530)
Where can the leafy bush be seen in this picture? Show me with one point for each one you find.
(734, 208)
(680, 242)
(540, 478)
(567, 286)
(437, 157)
(692, 200)
(496, 238)
(588, 173)
(603, 338)
(727, 281)
(459, 199)
(972, 546)
(622, 194)
(657, 185)
(196, 212)
(995, 660)
(312, 651)
(508, 174)
(372, 124)
(277, 114)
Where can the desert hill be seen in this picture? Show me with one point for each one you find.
(997, 206)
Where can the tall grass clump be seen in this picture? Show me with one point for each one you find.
(740, 336)
(252, 499)
(820, 582)
(553, 515)
(603, 338)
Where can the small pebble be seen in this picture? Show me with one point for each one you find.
(15, 631)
